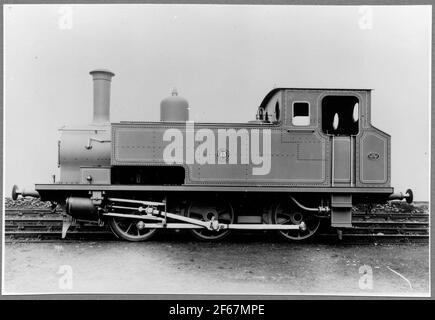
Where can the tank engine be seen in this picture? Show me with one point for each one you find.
(310, 155)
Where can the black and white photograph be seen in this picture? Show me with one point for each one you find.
(188, 150)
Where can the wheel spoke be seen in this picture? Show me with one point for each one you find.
(197, 214)
(284, 222)
(285, 214)
(225, 217)
(128, 229)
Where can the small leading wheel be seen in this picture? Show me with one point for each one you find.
(206, 210)
(287, 213)
(131, 230)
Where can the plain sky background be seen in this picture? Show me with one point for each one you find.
(223, 59)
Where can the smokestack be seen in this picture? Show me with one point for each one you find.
(102, 79)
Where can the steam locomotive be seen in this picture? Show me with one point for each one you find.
(309, 156)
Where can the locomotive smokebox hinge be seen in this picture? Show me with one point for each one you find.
(89, 145)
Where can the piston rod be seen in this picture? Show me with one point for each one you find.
(302, 226)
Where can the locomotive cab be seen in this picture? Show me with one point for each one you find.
(333, 127)
(336, 145)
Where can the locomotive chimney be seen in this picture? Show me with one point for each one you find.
(102, 79)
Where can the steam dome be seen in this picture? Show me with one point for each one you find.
(174, 108)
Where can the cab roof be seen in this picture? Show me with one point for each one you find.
(275, 90)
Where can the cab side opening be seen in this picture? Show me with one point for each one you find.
(340, 115)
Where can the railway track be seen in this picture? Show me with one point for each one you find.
(44, 224)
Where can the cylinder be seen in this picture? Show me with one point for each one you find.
(81, 209)
(102, 79)
(174, 108)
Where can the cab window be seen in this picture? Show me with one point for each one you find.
(301, 114)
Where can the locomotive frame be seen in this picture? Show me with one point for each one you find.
(325, 157)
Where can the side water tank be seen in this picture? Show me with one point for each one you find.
(174, 108)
